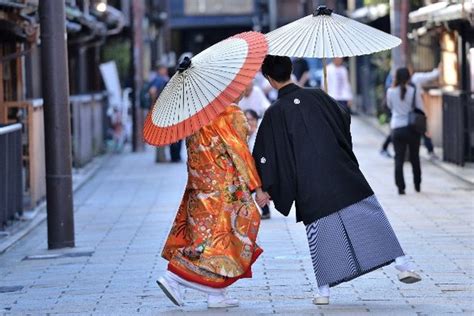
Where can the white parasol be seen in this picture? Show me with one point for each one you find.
(326, 35)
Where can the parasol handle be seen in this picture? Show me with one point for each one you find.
(325, 73)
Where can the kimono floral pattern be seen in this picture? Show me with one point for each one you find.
(212, 240)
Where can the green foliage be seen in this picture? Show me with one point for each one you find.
(118, 50)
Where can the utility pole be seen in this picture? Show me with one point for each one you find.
(399, 27)
(137, 12)
(272, 14)
(57, 129)
(351, 7)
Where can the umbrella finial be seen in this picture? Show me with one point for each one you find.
(185, 64)
(322, 10)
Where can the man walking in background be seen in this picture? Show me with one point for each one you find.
(156, 86)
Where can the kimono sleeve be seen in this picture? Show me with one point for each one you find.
(234, 132)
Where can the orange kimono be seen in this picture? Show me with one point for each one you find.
(213, 238)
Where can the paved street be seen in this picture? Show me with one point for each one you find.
(123, 215)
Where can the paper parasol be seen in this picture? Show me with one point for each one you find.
(203, 86)
(325, 35)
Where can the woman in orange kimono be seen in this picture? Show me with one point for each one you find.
(212, 242)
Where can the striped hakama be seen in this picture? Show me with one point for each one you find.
(351, 242)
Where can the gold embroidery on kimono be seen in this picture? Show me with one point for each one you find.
(212, 240)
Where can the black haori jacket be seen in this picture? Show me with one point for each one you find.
(303, 153)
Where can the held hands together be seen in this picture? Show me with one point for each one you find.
(262, 198)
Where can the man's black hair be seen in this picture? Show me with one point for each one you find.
(278, 68)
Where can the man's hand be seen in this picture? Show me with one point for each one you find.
(262, 198)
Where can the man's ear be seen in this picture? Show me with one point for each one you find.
(271, 81)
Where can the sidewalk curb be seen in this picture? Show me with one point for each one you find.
(39, 214)
(441, 165)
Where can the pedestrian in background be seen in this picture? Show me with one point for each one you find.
(402, 99)
(418, 79)
(157, 85)
(254, 121)
(339, 86)
(254, 99)
(304, 156)
(301, 71)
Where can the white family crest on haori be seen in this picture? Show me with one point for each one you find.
(203, 86)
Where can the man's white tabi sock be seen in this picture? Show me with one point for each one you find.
(403, 264)
(323, 290)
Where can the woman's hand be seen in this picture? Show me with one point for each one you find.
(262, 198)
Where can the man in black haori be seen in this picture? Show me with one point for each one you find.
(303, 154)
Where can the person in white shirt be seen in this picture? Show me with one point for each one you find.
(254, 99)
(418, 79)
(339, 87)
(401, 99)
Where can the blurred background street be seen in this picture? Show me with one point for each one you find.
(85, 204)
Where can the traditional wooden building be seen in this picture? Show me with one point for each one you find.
(444, 31)
(193, 25)
(88, 27)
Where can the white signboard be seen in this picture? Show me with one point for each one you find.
(112, 83)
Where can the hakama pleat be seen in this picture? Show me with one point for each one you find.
(352, 242)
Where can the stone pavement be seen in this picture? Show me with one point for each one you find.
(123, 215)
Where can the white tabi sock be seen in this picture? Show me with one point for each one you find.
(403, 264)
(323, 290)
(193, 285)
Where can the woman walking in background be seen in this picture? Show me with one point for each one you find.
(402, 99)
(253, 120)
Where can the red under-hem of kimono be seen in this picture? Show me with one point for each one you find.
(193, 277)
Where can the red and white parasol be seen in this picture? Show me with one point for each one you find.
(203, 86)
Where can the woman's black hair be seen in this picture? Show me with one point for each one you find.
(402, 77)
(278, 68)
(252, 113)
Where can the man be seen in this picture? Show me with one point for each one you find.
(254, 99)
(339, 86)
(303, 153)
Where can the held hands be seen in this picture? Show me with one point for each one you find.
(262, 198)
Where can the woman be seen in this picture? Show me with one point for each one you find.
(212, 241)
(401, 99)
(253, 120)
